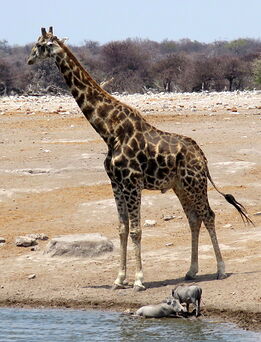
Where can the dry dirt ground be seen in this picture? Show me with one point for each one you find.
(53, 182)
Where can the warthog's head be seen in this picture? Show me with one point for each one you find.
(177, 307)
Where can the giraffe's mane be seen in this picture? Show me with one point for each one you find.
(88, 76)
(80, 66)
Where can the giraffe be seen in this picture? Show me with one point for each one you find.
(139, 157)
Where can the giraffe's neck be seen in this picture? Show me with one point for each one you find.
(106, 114)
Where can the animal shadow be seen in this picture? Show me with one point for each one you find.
(173, 282)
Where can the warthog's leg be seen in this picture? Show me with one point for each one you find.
(197, 307)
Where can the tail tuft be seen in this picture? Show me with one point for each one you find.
(240, 208)
(231, 199)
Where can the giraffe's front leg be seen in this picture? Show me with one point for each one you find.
(119, 281)
(133, 201)
(123, 234)
(135, 234)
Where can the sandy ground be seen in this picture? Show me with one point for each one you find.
(53, 182)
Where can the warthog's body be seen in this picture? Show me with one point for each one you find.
(170, 308)
(188, 294)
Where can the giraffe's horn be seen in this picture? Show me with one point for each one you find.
(43, 30)
(51, 29)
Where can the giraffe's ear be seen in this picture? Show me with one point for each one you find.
(43, 30)
(51, 29)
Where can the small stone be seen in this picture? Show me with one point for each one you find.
(2, 286)
(25, 241)
(38, 236)
(168, 217)
(150, 223)
(227, 225)
(31, 276)
(168, 244)
(2, 240)
(233, 109)
(256, 214)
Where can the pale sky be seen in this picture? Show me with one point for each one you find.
(107, 20)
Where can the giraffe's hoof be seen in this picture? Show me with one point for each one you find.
(138, 288)
(189, 276)
(221, 276)
(118, 287)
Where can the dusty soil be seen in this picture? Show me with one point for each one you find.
(53, 182)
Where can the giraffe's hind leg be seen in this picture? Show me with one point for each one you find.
(209, 222)
(197, 209)
(188, 203)
(194, 224)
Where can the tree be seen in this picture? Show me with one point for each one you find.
(256, 66)
(127, 63)
(234, 71)
(204, 74)
(169, 70)
(5, 77)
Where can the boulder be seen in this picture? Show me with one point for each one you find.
(25, 241)
(79, 245)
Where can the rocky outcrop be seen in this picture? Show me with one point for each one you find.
(79, 245)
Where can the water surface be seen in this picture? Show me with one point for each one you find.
(54, 325)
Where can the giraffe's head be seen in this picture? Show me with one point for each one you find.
(46, 46)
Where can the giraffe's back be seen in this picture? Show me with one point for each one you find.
(170, 159)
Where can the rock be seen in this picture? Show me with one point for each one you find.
(168, 217)
(2, 240)
(25, 241)
(227, 225)
(38, 236)
(150, 223)
(168, 244)
(256, 214)
(31, 276)
(79, 245)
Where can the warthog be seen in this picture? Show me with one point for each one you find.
(188, 294)
(170, 308)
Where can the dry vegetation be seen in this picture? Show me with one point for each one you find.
(142, 65)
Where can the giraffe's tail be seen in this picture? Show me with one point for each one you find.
(231, 199)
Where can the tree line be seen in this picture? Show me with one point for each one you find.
(138, 65)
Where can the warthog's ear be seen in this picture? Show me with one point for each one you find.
(172, 293)
(168, 301)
